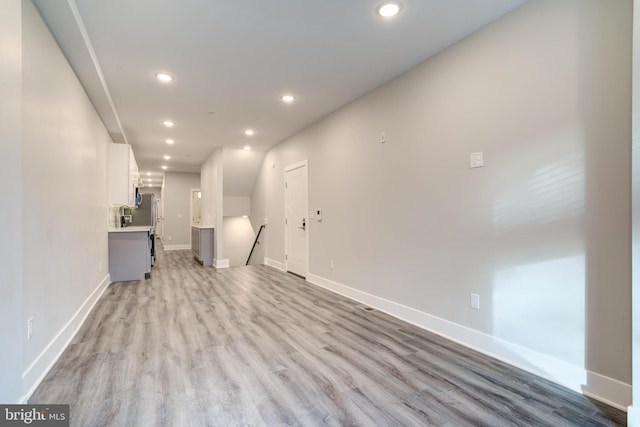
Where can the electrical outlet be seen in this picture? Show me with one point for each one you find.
(383, 137)
(476, 160)
(29, 328)
(332, 264)
(475, 301)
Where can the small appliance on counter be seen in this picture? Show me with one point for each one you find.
(125, 216)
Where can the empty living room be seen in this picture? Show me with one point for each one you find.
(371, 213)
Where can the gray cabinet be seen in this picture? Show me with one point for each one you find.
(202, 244)
(129, 253)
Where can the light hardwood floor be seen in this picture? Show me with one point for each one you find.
(196, 346)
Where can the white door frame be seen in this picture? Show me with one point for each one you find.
(191, 191)
(304, 163)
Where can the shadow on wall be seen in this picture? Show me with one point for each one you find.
(238, 235)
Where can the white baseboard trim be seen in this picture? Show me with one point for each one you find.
(633, 416)
(221, 263)
(176, 247)
(607, 390)
(273, 263)
(38, 369)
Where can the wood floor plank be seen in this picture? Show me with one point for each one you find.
(252, 346)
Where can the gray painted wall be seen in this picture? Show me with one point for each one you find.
(11, 330)
(542, 232)
(64, 256)
(177, 205)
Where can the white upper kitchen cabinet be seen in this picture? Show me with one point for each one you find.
(123, 175)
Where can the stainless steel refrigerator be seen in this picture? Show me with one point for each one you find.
(145, 214)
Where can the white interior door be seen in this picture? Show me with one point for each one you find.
(296, 221)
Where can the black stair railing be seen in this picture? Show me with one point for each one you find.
(255, 243)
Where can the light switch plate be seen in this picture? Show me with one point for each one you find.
(476, 160)
(475, 301)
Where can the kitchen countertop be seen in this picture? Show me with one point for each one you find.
(202, 226)
(131, 229)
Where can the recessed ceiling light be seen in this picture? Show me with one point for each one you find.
(170, 141)
(168, 123)
(167, 157)
(249, 132)
(389, 9)
(288, 98)
(246, 147)
(148, 173)
(164, 167)
(164, 77)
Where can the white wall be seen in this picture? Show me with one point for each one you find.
(212, 204)
(240, 171)
(210, 184)
(11, 328)
(262, 204)
(63, 197)
(177, 204)
(236, 206)
(238, 238)
(157, 191)
(541, 233)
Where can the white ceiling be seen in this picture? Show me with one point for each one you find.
(233, 59)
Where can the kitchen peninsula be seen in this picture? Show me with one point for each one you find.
(130, 253)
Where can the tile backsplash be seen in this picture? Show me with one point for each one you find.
(113, 216)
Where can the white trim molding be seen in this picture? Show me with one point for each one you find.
(221, 263)
(176, 247)
(275, 264)
(605, 389)
(35, 373)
